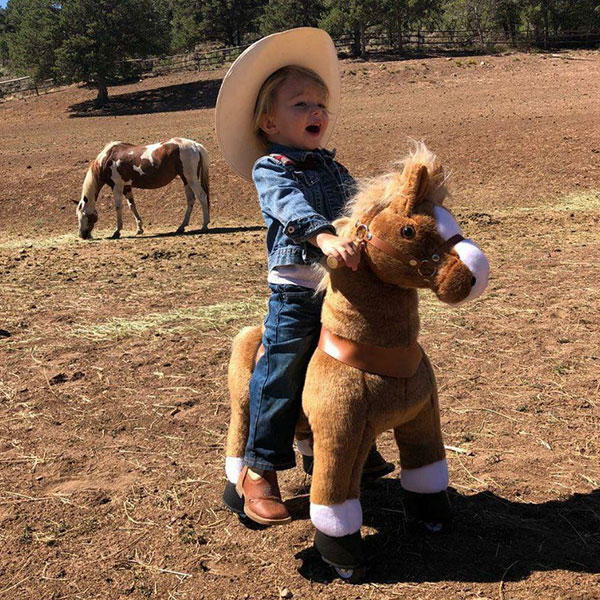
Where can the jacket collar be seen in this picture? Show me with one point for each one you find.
(297, 154)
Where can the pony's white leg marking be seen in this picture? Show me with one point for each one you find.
(189, 196)
(118, 196)
(305, 447)
(430, 479)
(337, 520)
(133, 208)
(233, 468)
(190, 156)
(201, 195)
(468, 252)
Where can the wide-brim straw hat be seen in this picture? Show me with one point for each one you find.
(306, 47)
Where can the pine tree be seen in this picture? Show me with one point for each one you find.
(33, 38)
(353, 17)
(98, 35)
(186, 24)
(279, 15)
(231, 22)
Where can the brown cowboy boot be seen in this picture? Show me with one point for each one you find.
(262, 498)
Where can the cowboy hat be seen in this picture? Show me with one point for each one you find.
(306, 47)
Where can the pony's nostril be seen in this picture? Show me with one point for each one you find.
(473, 281)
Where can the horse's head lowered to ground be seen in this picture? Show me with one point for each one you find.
(87, 213)
(409, 239)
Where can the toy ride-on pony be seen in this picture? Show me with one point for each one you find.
(368, 373)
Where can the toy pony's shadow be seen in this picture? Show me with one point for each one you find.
(172, 98)
(493, 539)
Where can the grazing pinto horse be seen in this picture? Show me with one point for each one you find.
(124, 166)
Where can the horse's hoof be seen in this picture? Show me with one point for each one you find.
(352, 576)
(232, 500)
(430, 511)
(344, 554)
(139, 231)
(116, 235)
(180, 230)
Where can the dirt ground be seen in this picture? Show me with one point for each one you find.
(113, 399)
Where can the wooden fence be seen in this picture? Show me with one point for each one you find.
(411, 41)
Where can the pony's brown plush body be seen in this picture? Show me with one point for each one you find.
(410, 242)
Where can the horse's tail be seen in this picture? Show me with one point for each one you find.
(203, 166)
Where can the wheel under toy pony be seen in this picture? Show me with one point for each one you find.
(368, 373)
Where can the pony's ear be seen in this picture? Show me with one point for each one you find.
(416, 186)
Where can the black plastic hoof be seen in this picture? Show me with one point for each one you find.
(344, 552)
(232, 501)
(431, 510)
(352, 576)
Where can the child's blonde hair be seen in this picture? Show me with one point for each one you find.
(268, 91)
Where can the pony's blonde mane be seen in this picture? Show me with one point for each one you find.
(375, 194)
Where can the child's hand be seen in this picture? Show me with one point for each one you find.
(342, 249)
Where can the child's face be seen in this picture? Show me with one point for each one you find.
(299, 117)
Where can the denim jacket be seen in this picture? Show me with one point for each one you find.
(299, 198)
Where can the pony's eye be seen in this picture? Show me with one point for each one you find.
(408, 232)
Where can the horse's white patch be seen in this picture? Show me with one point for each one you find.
(429, 479)
(337, 520)
(139, 170)
(468, 251)
(102, 156)
(149, 150)
(116, 176)
(233, 468)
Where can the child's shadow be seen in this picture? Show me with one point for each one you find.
(493, 539)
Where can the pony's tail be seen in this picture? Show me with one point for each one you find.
(203, 166)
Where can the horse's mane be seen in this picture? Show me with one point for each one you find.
(376, 193)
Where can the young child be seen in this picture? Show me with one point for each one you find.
(301, 190)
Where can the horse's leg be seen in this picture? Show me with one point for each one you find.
(424, 469)
(133, 208)
(335, 508)
(202, 198)
(118, 196)
(304, 443)
(241, 365)
(189, 196)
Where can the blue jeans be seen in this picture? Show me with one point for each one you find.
(291, 335)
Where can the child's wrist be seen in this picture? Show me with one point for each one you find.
(321, 238)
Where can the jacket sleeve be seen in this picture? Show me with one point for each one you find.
(281, 197)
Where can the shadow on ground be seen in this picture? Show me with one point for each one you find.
(172, 98)
(168, 234)
(493, 540)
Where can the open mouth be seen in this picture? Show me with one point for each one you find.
(314, 129)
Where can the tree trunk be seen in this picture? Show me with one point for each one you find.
(102, 97)
(356, 41)
(400, 39)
